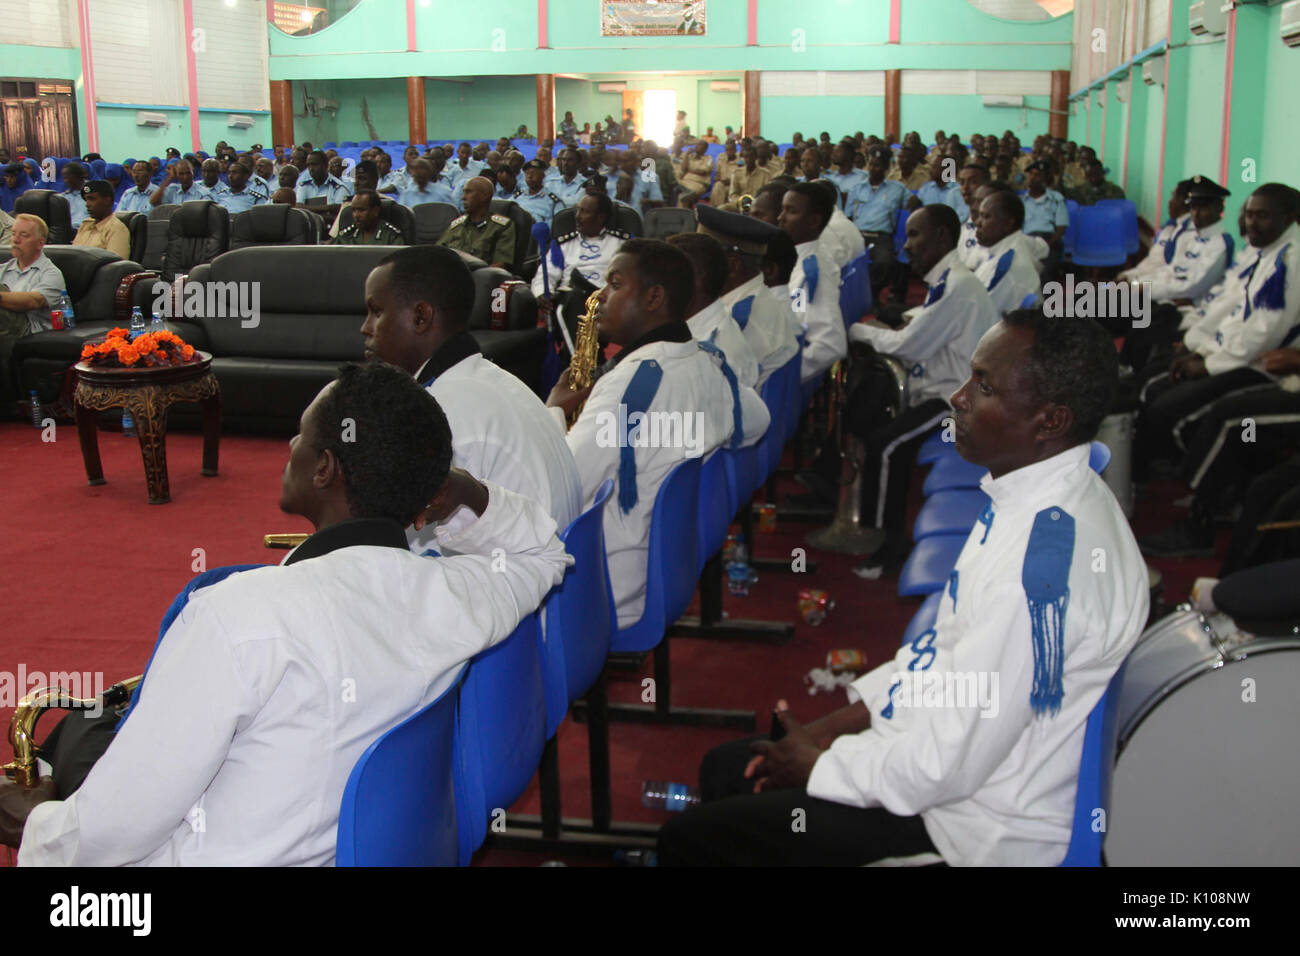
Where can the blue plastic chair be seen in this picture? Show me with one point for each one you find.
(855, 288)
(934, 448)
(1071, 229)
(1129, 209)
(1096, 769)
(672, 564)
(952, 471)
(1101, 239)
(927, 567)
(923, 619)
(717, 503)
(399, 805)
(954, 511)
(501, 729)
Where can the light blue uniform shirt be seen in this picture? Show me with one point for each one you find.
(874, 208)
(333, 190)
(438, 190)
(947, 194)
(1046, 213)
(76, 206)
(237, 202)
(392, 178)
(569, 193)
(135, 201)
(641, 189)
(454, 172)
(174, 195)
(542, 205)
(845, 182)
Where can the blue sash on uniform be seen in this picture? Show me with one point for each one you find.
(738, 432)
(1046, 580)
(936, 290)
(1003, 267)
(637, 397)
(811, 272)
(1173, 241)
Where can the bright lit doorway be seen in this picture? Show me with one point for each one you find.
(660, 117)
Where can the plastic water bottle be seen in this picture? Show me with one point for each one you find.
(128, 423)
(36, 409)
(675, 797)
(69, 314)
(156, 323)
(137, 321)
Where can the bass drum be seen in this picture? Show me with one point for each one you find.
(1208, 767)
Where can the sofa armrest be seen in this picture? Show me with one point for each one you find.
(125, 296)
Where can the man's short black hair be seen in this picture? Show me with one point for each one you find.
(369, 167)
(819, 199)
(603, 202)
(371, 196)
(776, 188)
(1073, 362)
(781, 253)
(1286, 199)
(658, 263)
(1011, 204)
(433, 274)
(397, 450)
(320, 153)
(707, 259)
(943, 216)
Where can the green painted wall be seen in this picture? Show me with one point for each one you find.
(968, 114)
(782, 116)
(1278, 149)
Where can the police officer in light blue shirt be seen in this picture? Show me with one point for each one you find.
(571, 185)
(74, 177)
(388, 176)
(242, 193)
(1046, 213)
(136, 199)
(538, 199)
(320, 184)
(941, 190)
(424, 188)
(874, 204)
(464, 167)
(842, 173)
(179, 186)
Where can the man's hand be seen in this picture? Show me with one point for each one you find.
(16, 803)
(786, 763)
(565, 397)
(1187, 367)
(1279, 361)
(460, 489)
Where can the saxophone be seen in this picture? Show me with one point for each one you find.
(586, 347)
(23, 769)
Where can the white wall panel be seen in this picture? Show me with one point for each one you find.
(139, 52)
(38, 23)
(232, 61)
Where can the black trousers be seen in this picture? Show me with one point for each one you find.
(887, 467)
(1223, 451)
(1273, 496)
(736, 827)
(885, 269)
(1140, 344)
(1170, 412)
(74, 745)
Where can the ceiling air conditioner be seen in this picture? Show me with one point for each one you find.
(239, 121)
(611, 87)
(1290, 25)
(1153, 71)
(144, 118)
(725, 86)
(1204, 18)
(1003, 100)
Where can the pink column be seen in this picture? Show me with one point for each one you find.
(1164, 116)
(410, 26)
(192, 76)
(88, 77)
(543, 37)
(895, 14)
(1227, 95)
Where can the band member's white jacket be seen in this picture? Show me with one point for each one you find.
(995, 779)
(1201, 257)
(1258, 309)
(768, 324)
(714, 323)
(817, 306)
(269, 686)
(590, 256)
(693, 387)
(1154, 260)
(938, 342)
(1008, 271)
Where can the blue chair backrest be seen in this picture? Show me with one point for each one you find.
(855, 288)
(1100, 240)
(716, 505)
(1096, 767)
(672, 567)
(794, 404)
(1072, 229)
(1130, 220)
(399, 805)
(900, 235)
(743, 478)
(501, 729)
(579, 613)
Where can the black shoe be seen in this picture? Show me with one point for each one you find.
(1186, 539)
(886, 560)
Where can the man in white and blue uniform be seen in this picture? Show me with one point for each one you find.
(815, 279)
(1007, 266)
(912, 771)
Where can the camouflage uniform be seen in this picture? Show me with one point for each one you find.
(1085, 194)
(492, 240)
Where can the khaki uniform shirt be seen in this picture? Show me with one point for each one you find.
(920, 176)
(385, 235)
(109, 233)
(492, 240)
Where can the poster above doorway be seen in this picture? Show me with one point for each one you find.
(622, 18)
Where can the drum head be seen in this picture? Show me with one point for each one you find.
(1210, 776)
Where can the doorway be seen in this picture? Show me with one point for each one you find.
(660, 108)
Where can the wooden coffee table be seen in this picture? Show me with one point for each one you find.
(147, 393)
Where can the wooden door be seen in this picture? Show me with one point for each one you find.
(632, 101)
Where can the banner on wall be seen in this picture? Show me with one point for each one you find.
(623, 18)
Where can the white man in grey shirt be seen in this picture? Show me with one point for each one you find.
(29, 284)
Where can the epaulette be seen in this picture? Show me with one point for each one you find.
(567, 236)
(457, 221)
(618, 232)
(554, 197)
(500, 219)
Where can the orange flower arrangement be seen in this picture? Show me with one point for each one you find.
(146, 350)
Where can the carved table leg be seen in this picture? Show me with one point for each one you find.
(88, 433)
(211, 431)
(151, 426)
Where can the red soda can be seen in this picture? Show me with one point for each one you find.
(56, 319)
